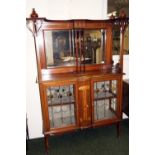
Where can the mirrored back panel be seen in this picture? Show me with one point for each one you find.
(74, 47)
(116, 45)
(94, 46)
(59, 48)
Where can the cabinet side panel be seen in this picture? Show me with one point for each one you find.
(46, 126)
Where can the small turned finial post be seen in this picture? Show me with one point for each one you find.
(34, 14)
(122, 14)
(34, 23)
(112, 17)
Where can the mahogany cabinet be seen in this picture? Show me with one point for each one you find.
(79, 85)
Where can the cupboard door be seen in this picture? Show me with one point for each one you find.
(84, 102)
(105, 100)
(61, 100)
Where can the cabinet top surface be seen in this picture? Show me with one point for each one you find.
(72, 19)
(75, 75)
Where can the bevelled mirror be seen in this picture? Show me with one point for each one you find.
(94, 44)
(116, 44)
(59, 48)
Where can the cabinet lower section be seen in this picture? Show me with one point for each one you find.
(82, 102)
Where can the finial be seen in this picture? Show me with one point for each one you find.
(122, 14)
(112, 17)
(34, 14)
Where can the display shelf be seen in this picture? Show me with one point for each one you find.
(59, 104)
(60, 101)
(104, 95)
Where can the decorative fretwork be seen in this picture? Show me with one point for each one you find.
(121, 24)
(34, 23)
(105, 99)
(61, 106)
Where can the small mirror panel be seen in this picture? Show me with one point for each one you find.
(59, 48)
(94, 44)
(116, 45)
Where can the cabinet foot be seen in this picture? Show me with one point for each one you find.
(118, 129)
(46, 144)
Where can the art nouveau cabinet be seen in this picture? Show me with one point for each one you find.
(80, 86)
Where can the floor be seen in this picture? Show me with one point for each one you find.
(98, 141)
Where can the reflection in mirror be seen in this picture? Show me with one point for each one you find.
(94, 46)
(126, 41)
(58, 47)
(126, 54)
(116, 45)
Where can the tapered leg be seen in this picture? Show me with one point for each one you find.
(118, 129)
(27, 135)
(46, 144)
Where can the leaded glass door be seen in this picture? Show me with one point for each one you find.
(61, 100)
(105, 100)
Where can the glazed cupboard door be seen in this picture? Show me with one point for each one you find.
(106, 101)
(61, 106)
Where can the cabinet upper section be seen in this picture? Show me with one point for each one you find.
(72, 45)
